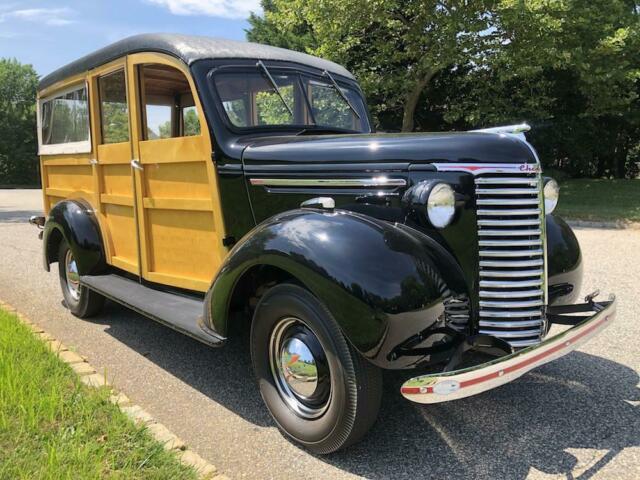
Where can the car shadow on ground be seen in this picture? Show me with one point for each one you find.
(573, 415)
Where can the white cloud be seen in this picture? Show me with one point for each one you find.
(56, 17)
(212, 8)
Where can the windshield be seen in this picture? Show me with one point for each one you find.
(250, 100)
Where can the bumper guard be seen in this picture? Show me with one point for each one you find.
(443, 387)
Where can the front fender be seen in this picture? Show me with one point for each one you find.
(75, 221)
(382, 282)
(564, 260)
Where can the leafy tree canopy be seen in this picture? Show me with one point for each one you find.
(18, 144)
(569, 67)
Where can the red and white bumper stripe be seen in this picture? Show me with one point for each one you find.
(443, 387)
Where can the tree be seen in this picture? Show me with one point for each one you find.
(18, 144)
(395, 47)
(570, 68)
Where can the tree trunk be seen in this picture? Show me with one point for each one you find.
(411, 102)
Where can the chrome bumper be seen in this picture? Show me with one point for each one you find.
(443, 387)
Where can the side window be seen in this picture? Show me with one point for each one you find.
(114, 113)
(168, 107)
(65, 119)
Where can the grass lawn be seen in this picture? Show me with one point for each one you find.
(604, 200)
(54, 427)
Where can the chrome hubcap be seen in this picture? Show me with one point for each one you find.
(73, 279)
(300, 368)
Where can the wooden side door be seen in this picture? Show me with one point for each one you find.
(178, 206)
(110, 121)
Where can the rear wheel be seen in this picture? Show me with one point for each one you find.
(319, 390)
(80, 300)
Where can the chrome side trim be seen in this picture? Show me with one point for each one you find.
(482, 168)
(329, 182)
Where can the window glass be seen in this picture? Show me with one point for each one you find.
(270, 109)
(167, 103)
(328, 106)
(250, 100)
(65, 118)
(237, 111)
(190, 121)
(158, 121)
(114, 112)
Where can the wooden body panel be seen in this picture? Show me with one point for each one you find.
(164, 222)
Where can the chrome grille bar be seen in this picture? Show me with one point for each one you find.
(510, 243)
(508, 223)
(507, 191)
(510, 212)
(512, 201)
(511, 253)
(512, 258)
(507, 284)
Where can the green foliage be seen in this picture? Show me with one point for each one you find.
(191, 122)
(569, 68)
(271, 110)
(600, 199)
(115, 122)
(53, 427)
(18, 141)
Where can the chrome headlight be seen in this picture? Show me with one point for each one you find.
(441, 205)
(551, 195)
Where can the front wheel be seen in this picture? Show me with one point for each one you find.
(81, 301)
(319, 390)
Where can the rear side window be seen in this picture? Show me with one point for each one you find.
(64, 122)
(114, 114)
(168, 106)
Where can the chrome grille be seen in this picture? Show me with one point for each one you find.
(512, 258)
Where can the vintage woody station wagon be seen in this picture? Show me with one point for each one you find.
(189, 178)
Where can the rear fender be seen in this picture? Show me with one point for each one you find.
(75, 222)
(382, 282)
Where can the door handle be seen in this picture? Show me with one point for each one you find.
(135, 163)
(93, 161)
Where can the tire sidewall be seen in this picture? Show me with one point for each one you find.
(334, 426)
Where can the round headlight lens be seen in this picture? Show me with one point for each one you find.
(441, 205)
(551, 195)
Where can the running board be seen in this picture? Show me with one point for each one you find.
(180, 312)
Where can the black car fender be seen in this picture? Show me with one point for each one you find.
(382, 282)
(76, 223)
(564, 262)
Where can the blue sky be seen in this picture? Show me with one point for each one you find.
(49, 34)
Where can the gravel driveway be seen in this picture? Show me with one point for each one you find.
(578, 417)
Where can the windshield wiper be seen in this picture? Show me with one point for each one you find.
(341, 93)
(274, 85)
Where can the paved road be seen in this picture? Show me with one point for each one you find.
(577, 417)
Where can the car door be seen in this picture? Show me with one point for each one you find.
(112, 164)
(178, 207)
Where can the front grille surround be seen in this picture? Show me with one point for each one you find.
(512, 256)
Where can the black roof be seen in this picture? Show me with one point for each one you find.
(188, 48)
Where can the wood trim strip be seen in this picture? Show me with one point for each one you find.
(201, 205)
(116, 199)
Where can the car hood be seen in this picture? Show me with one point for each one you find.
(467, 147)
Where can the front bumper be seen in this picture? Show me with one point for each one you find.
(443, 387)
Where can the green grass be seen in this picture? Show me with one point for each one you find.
(600, 200)
(54, 427)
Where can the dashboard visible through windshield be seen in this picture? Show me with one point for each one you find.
(267, 98)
